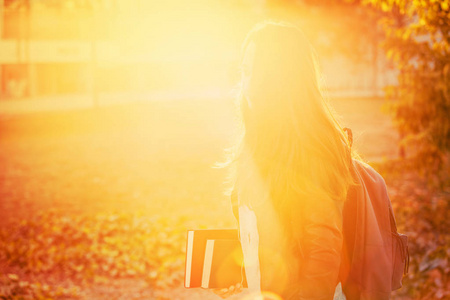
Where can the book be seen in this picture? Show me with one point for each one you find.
(195, 252)
(223, 264)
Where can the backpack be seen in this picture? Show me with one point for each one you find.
(375, 256)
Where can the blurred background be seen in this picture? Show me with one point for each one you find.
(55, 48)
(113, 113)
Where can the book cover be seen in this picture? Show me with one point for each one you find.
(195, 252)
(223, 264)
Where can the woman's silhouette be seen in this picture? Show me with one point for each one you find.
(291, 169)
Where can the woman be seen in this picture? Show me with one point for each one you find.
(292, 170)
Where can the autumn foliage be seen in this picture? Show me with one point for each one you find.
(417, 40)
(90, 250)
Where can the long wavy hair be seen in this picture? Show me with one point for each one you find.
(291, 144)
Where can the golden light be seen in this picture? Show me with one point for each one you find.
(160, 75)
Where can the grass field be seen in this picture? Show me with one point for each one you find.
(149, 159)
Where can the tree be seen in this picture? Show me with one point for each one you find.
(418, 42)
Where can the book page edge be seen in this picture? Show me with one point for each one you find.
(207, 264)
(188, 270)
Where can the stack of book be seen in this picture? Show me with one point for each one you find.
(214, 259)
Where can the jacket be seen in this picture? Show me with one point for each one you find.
(307, 268)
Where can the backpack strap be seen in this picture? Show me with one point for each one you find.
(402, 240)
(392, 219)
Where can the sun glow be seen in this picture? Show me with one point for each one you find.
(112, 114)
(127, 46)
